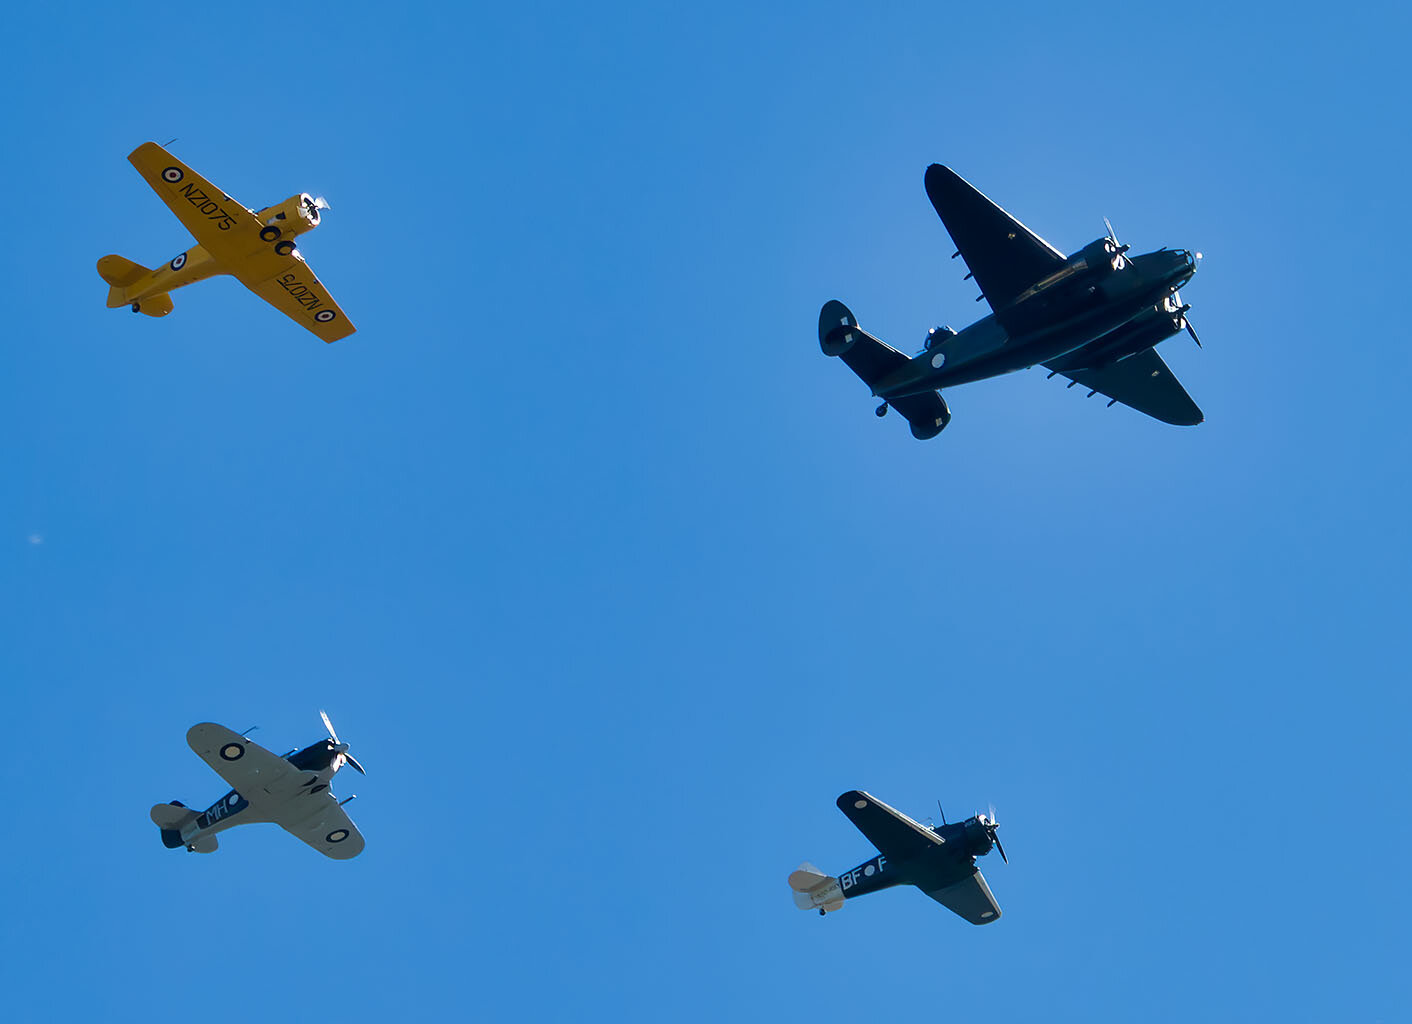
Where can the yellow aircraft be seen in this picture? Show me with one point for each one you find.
(256, 248)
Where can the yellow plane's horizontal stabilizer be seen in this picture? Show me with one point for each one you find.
(122, 274)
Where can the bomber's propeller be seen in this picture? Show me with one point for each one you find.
(338, 746)
(1178, 309)
(990, 825)
(1118, 249)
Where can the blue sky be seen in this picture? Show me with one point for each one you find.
(614, 582)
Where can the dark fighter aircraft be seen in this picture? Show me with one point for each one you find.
(1093, 317)
(941, 861)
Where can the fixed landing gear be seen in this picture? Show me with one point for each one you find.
(136, 308)
(821, 911)
(880, 411)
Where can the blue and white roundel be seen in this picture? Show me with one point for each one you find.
(179, 262)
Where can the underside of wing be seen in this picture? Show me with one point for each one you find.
(299, 295)
(891, 831)
(1142, 382)
(970, 898)
(1003, 255)
(327, 829)
(227, 230)
(249, 768)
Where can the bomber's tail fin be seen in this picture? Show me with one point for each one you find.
(873, 361)
(814, 889)
(172, 818)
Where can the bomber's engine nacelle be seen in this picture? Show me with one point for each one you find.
(294, 216)
(1103, 255)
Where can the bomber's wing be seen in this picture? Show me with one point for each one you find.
(298, 294)
(891, 831)
(1142, 382)
(1003, 255)
(327, 828)
(249, 768)
(970, 898)
(228, 230)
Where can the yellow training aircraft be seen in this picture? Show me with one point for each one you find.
(257, 249)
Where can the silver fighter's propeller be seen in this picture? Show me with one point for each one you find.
(339, 747)
(991, 825)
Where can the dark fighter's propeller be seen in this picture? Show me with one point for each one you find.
(338, 747)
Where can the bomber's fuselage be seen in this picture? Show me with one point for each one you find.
(1060, 315)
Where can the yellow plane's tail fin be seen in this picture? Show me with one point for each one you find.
(122, 274)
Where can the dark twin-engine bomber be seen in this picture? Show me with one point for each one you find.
(1093, 317)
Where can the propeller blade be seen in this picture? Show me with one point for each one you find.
(1192, 331)
(328, 725)
(996, 838)
(353, 761)
(320, 203)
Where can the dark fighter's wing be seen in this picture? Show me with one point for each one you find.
(969, 898)
(1003, 255)
(1142, 382)
(891, 831)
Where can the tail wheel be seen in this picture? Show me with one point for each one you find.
(136, 308)
(285, 247)
(269, 233)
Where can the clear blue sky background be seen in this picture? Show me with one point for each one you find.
(614, 582)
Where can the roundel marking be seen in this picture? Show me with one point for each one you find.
(938, 360)
(868, 871)
(337, 835)
(233, 799)
(179, 262)
(232, 752)
(172, 175)
(860, 804)
(987, 913)
(323, 316)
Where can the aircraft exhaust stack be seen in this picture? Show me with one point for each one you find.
(815, 890)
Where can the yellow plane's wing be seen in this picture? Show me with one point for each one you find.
(229, 231)
(297, 293)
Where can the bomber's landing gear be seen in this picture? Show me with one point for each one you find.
(880, 411)
(136, 308)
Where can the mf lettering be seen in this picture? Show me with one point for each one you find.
(850, 878)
